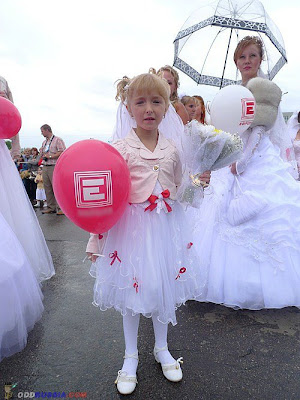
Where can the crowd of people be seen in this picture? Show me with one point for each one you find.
(29, 165)
(241, 248)
(36, 171)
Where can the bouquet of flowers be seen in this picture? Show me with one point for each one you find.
(206, 149)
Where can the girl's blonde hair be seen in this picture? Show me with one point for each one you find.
(143, 83)
(174, 96)
(247, 41)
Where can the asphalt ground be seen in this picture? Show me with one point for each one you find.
(76, 349)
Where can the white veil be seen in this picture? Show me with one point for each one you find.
(293, 125)
(281, 138)
(171, 126)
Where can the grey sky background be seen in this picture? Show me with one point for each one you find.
(62, 58)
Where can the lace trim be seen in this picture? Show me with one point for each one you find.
(242, 164)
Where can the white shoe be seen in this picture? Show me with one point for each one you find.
(126, 384)
(172, 372)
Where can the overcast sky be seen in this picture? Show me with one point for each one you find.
(62, 57)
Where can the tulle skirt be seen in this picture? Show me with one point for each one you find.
(20, 294)
(149, 265)
(16, 208)
(254, 264)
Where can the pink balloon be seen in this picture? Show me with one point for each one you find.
(10, 119)
(91, 182)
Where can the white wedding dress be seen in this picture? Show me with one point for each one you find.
(16, 208)
(25, 260)
(247, 230)
(21, 298)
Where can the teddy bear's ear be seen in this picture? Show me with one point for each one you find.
(267, 96)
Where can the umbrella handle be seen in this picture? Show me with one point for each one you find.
(226, 58)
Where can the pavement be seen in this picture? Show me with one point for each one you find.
(77, 350)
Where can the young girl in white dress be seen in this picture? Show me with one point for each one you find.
(253, 262)
(149, 265)
(40, 195)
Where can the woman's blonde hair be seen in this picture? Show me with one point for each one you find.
(174, 73)
(247, 41)
(189, 99)
(143, 83)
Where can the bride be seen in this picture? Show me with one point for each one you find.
(252, 251)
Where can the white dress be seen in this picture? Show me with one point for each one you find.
(18, 212)
(251, 246)
(20, 294)
(149, 265)
(40, 194)
(296, 144)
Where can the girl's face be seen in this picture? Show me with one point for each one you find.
(148, 110)
(191, 109)
(34, 152)
(171, 81)
(40, 171)
(248, 62)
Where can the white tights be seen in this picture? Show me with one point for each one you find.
(131, 327)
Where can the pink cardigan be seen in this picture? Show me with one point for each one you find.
(146, 167)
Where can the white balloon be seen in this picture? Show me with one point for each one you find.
(233, 109)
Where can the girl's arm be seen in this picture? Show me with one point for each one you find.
(15, 146)
(181, 111)
(95, 245)
(252, 143)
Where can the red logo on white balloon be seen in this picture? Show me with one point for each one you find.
(93, 189)
(248, 111)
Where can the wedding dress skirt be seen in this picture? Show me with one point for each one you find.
(256, 263)
(20, 294)
(16, 208)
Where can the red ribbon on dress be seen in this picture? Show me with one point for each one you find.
(114, 256)
(152, 200)
(181, 271)
(136, 285)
